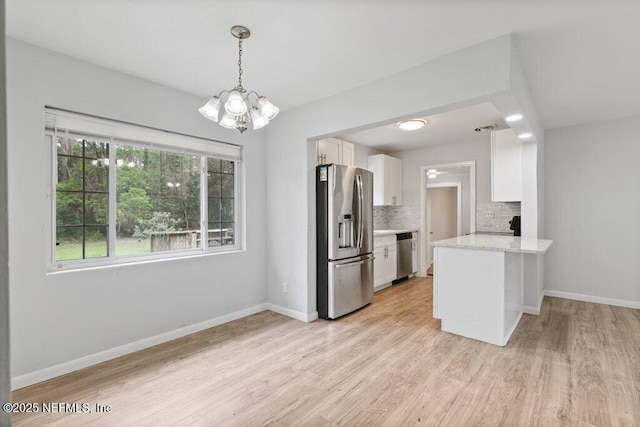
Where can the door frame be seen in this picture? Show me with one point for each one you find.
(453, 184)
(422, 247)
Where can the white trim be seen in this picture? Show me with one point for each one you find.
(534, 310)
(383, 286)
(422, 240)
(112, 353)
(298, 315)
(590, 298)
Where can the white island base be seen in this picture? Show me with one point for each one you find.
(478, 293)
(479, 285)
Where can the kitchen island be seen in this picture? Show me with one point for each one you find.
(478, 284)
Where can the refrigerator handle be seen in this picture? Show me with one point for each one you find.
(360, 210)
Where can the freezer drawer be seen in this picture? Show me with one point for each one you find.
(350, 285)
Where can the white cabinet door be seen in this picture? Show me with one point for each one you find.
(396, 182)
(329, 151)
(506, 166)
(392, 263)
(347, 154)
(379, 264)
(387, 180)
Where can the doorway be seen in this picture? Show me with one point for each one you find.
(461, 176)
(444, 215)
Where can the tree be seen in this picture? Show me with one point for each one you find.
(134, 208)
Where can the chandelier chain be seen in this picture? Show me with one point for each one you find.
(240, 62)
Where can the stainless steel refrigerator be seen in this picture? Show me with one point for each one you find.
(344, 235)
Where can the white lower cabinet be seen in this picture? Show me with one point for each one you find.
(385, 264)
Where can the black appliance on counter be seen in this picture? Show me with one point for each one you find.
(515, 225)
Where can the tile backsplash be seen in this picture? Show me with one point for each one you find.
(502, 214)
(396, 217)
(408, 217)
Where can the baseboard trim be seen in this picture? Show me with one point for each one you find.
(40, 375)
(590, 298)
(298, 315)
(534, 310)
(383, 286)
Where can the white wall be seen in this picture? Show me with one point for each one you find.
(5, 376)
(56, 318)
(592, 210)
(464, 77)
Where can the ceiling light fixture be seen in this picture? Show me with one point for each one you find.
(525, 135)
(239, 108)
(433, 173)
(412, 124)
(514, 118)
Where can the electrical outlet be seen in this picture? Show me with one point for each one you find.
(488, 214)
(285, 287)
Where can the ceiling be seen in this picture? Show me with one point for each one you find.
(581, 57)
(451, 126)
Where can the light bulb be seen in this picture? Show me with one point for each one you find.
(432, 171)
(268, 110)
(432, 175)
(235, 105)
(525, 135)
(211, 109)
(259, 121)
(228, 122)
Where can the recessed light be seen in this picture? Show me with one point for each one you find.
(432, 175)
(514, 118)
(525, 135)
(432, 171)
(412, 124)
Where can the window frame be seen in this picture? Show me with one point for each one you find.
(112, 259)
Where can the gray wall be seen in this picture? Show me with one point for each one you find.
(58, 318)
(592, 210)
(5, 377)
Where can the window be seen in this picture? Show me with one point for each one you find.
(125, 192)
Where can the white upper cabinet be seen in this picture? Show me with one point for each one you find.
(387, 180)
(506, 166)
(333, 150)
(347, 154)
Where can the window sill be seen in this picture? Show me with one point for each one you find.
(99, 264)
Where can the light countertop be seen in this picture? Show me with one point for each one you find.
(527, 245)
(378, 233)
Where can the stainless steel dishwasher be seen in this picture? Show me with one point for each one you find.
(405, 266)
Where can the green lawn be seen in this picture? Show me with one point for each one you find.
(125, 246)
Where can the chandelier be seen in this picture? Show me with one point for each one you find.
(239, 107)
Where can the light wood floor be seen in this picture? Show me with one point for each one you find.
(388, 364)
